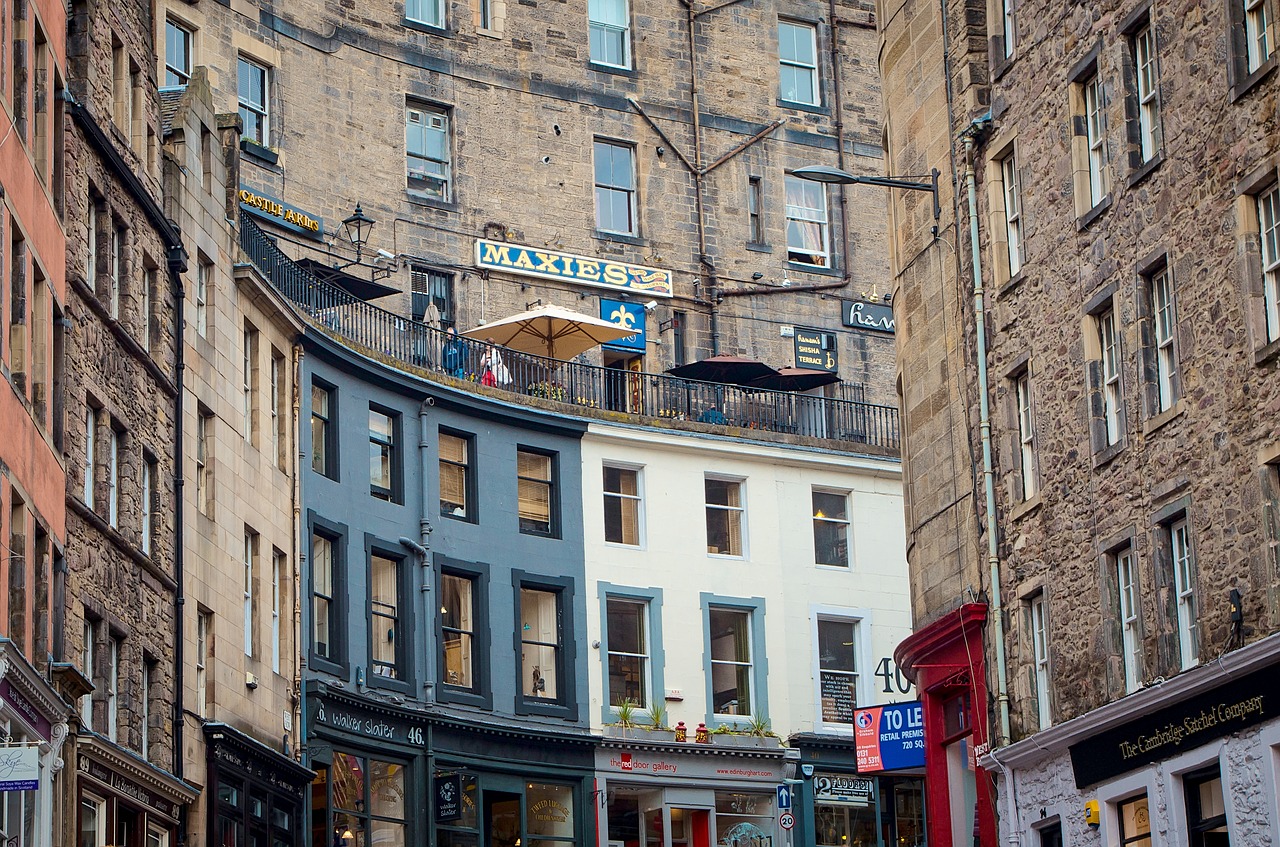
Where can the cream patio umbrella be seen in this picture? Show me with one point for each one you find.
(550, 331)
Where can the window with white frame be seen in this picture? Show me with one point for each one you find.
(148, 295)
(808, 236)
(177, 53)
(1148, 84)
(1184, 581)
(93, 822)
(1257, 34)
(18, 808)
(254, 96)
(541, 644)
(622, 505)
(117, 269)
(1269, 232)
(1007, 29)
(837, 670)
(1096, 136)
(113, 475)
(628, 649)
(798, 63)
(1012, 211)
(278, 435)
(87, 647)
(113, 688)
(732, 654)
(429, 12)
(725, 512)
(1039, 613)
(148, 504)
(278, 573)
(831, 528)
(204, 473)
(204, 275)
(1164, 319)
(610, 24)
(427, 145)
(1109, 345)
(250, 372)
(1134, 822)
(204, 634)
(1129, 609)
(90, 448)
(615, 186)
(246, 587)
(91, 242)
(1026, 436)
(145, 703)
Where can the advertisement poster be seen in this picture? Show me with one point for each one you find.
(19, 768)
(889, 738)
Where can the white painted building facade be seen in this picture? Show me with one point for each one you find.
(733, 582)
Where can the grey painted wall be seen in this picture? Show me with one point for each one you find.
(492, 546)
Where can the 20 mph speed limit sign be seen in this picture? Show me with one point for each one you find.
(786, 820)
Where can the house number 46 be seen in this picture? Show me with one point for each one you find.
(893, 678)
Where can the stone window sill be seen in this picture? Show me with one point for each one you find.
(1104, 456)
(1157, 421)
(1267, 353)
(1026, 507)
(1251, 81)
(1086, 220)
(1146, 169)
(1012, 283)
(813, 108)
(619, 237)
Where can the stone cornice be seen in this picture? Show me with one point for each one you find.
(1056, 739)
(18, 672)
(144, 773)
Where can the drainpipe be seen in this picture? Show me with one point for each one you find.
(299, 690)
(984, 410)
(421, 548)
(838, 103)
(177, 264)
(1011, 815)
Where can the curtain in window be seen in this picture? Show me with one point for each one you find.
(806, 217)
(384, 599)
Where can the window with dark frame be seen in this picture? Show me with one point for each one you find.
(628, 651)
(458, 629)
(1134, 818)
(837, 669)
(456, 476)
(755, 203)
(383, 454)
(368, 797)
(385, 617)
(324, 457)
(831, 528)
(1050, 836)
(1206, 808)
(536, 492)
(541, 644)
(431, 288)
(679, 354)
(326, 578)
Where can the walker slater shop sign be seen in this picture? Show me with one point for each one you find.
(566, 267)
(1236, 705)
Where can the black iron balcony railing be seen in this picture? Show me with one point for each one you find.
(572, 383)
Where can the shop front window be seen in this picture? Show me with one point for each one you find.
(549, 814)
(458, 825)
(368, 801)
(744, 819)
(845, 825)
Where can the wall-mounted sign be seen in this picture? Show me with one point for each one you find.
(887, 738)
(566, 267)
(376, 726)
(1231, 707)
(127, 788)
(278, 212)
(19, 768)
(628, 316)
(875, 317)
(841, 788)
(838, 703)
(816, 350)
(448, 797)
(24, 707)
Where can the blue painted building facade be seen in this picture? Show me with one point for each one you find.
(443, 607)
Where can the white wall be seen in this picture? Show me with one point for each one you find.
(778, 565)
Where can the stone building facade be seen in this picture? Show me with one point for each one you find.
(122, 581)
(1125, 265)
(33, 718)
(455, 123)
(240, 657)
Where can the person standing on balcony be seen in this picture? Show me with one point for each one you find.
(454, 356)
(493, 370)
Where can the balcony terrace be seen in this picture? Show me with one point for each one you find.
(572, 388)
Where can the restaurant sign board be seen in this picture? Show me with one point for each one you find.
(1233, 706)
(567, 267)
(815, 350)
(875, 317)
(280, 213)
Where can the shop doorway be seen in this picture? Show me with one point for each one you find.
(622, 381)
(690, 827)
(502, 825)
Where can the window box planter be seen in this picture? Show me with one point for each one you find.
(256, 150)
(640, 733)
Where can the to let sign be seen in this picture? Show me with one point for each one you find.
(815, 350)
(887, 738)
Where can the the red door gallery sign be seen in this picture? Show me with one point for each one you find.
(889, 738)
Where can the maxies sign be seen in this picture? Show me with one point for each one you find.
(278, 212)
(567, 267)
(1238, 704)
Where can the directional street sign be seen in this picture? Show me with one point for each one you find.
(786, 820)
(784, 797)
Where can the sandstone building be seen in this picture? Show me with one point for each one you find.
(515, 154)
(1100, 626)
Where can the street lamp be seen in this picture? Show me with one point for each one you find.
(358, 227)
(835, 176)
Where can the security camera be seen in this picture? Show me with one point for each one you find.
(385, 254)
(651, 305)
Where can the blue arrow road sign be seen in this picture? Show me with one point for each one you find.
(784, 797)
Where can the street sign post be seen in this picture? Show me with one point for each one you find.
(784, 797)
(786, 820)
